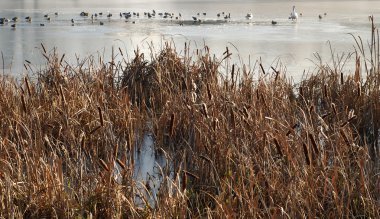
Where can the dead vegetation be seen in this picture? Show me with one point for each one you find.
(241, 144)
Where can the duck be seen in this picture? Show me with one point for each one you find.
(84, 14)
(274, 22)
(249, 16)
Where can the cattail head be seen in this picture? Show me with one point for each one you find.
(204, 110)
(104, 165)
(334, 108)
(306, 153)
(278, 147)
(314, 144)
(301, 91)
(325, 91)
(359, 89)
(172, 121)
(100, 116)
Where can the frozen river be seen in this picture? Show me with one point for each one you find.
(294, 43)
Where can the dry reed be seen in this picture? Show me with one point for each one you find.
(243, 146)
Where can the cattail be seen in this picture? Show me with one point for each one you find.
(341, 78)
(190, 174)
(23, 102)
(62, 95)
(325, 91)
(345, 138)
(104, 165)
(63, 56)
(277, 73)
(215, 124)
(301, 91)
(325, 115)
(209, 94)
(352, 118)
(204, 110)
(83, 141)
(95, 129)
(183, 182)
(334, 108)
(257, 94)
(101, 116)
(314, 144)
(28, 86)
(232, 115)
(262, 68)
(232, 76)
(118, 161)
(278, 147)
(43, 47)
(184, 84)
(344, 124)
(172, 121)
(359, 89)
(357, 70)
(116, 150)
(129, 145)
(306, 152)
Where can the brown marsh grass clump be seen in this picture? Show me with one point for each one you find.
(242, 143)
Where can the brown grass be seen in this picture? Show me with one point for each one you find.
(241, 144)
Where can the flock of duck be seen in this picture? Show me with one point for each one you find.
(199, 17)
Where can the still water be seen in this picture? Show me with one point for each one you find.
(294, 43)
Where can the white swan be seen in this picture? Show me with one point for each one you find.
(293, 14)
